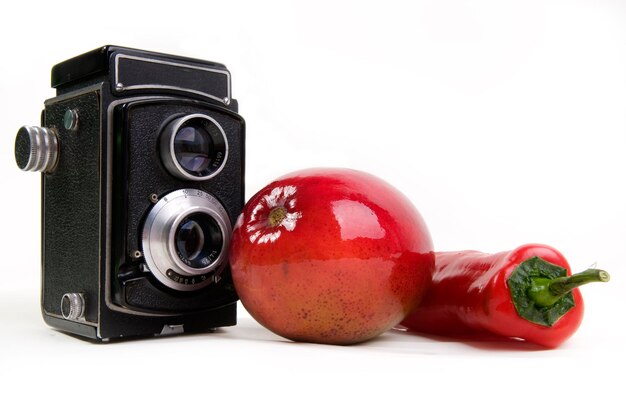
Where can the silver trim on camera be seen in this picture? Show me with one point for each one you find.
(122, 87)
(168, 155)
(159, 239)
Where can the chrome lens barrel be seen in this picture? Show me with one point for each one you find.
(185, 239)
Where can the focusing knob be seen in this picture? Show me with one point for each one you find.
(36, 149)
(73, 306)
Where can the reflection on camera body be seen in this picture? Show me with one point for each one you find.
(142, 161)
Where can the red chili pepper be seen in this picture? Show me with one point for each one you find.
(524, 293)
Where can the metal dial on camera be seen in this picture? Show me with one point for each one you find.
(36, 149)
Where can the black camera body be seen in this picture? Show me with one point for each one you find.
(142, 161)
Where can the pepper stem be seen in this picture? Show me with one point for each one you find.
(562, 286)
(546, 292)
(542, 292)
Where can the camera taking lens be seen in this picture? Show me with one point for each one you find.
(185, 239)
(193, 147)
(198, 240)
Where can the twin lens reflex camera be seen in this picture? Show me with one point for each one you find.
(142, 169)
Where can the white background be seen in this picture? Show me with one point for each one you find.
(503, 121)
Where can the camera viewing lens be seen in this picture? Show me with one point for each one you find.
(194, 147)
(198, 240)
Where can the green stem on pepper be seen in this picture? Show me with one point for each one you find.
(546, 292)
(579, 279)
(542, 291)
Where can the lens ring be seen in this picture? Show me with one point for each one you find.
(159, 239)
(194, 147)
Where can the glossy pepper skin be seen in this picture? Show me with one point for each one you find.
(470, 294)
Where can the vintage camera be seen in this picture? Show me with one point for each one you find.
(142, 161)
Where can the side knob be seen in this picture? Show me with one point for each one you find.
(36, 149)
(73, 306)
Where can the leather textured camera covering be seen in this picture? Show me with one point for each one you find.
(71, 208)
